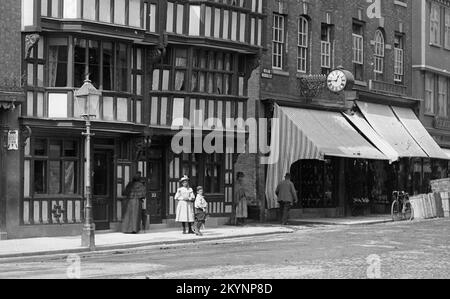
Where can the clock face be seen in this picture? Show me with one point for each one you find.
(337, 81)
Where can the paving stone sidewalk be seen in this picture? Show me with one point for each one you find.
(116, 241)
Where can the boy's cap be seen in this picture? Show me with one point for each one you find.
(199, 188)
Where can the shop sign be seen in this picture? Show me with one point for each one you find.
(266, 73)
(13, 140)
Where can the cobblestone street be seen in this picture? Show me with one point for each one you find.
(403, 250)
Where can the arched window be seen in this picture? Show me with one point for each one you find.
(379, 52)
(303, 44)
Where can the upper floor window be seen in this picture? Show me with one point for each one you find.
(277, 41)
(303, 45)
(398, 59)
(379, 52)
(429, 93)
(212, 72)
(358, 50)
(214, 21)
(325, 48)
(120, 12)
(447, 29)
(442, 97)
(435, 24)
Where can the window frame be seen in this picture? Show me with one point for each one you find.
(62, 159)
(278, 41)
(399, 59)
(302, 44)
(379, 52)
(435, 24)
(429, 93)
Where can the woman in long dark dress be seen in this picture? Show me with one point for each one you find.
(135, 193)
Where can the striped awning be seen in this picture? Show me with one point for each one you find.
(415, 128)
(359, 122)
(303, 134)
(383, 120)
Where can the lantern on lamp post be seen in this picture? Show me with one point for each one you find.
(87, 103)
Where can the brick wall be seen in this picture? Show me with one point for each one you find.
(341, 15)
(10, 40)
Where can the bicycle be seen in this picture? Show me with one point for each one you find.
(401, 208)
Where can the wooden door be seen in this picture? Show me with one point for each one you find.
(102, 192)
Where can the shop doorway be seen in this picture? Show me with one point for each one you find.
(155, 185)
(102, 188)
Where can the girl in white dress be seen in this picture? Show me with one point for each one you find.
(185, 208)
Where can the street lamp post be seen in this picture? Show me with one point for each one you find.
(87, 98)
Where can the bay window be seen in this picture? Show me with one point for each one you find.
(119, 12)
(194, 20)
(104, 8)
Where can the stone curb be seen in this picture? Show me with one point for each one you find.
(107, 248)
(300, 222)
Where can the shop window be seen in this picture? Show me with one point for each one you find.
(54, 171)
(315, 182)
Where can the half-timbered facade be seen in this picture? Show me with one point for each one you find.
(155, 63)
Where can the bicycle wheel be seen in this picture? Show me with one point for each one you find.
(396, 212)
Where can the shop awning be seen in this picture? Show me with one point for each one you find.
(447, 152)
(304, 134)
(331, 134)
(359, 122)
(415, 128)
(383, 120)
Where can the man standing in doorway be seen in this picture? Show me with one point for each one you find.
(287, 196)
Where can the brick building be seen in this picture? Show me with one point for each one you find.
(338, 146)
(11, 96)
(431, 65)
(156, 63)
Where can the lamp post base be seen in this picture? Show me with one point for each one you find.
(88, 236)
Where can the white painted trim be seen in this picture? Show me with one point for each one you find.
(432, 69)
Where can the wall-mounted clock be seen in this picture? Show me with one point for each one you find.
(339, 80)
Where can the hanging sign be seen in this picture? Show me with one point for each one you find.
(13, 140)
